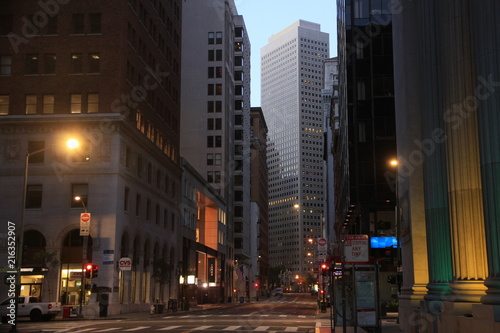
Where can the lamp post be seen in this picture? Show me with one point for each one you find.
(395, 164)
(72, 143)
(84, 261)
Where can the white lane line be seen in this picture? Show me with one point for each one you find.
(201, 328)
(136, 328)
(231, 328)
(261, 329)
(168, 328)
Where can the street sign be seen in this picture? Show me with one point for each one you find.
(84, 224)
(356, 248)
(322, 244)
(125, 264)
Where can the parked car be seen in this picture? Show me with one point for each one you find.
(278, 292)
(29, 307)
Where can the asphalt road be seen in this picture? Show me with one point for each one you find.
(288, 313)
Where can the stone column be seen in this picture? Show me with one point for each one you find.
(459, 113)
(433, 146)
(485, 15)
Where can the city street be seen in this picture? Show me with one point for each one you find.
(287, 313)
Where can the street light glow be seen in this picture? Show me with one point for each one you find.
(72, 143)
(393, 162)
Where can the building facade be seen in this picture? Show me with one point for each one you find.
(260, 201)
(97, 72)
(291, 99)
(447, 103)
(216, 118)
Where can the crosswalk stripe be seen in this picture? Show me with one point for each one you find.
(136, 328)
(109, 329)
(261, 329)
(231, 328)
(283, 316)
(201, 328)
(168, 328)
(291, 329)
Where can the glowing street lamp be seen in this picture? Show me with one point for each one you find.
(71, 144)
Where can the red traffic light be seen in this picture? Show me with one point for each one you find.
(88, 267)
(324, 267)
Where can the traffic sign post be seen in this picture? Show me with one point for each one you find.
(356, 248)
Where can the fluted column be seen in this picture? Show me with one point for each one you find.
(485, 15)
(462, 150)
(433, 145)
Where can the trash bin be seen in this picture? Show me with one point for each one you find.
(242, 299)
(158, 308)
(66, 311)
(323, 307)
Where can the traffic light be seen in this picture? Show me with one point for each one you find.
(324, 268)
(388, 255)
(88, 271)
(256, 285)
(95, 271)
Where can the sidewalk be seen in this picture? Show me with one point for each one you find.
(388, 325)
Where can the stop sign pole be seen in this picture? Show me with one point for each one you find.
(84, 231)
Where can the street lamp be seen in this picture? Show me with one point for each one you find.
(84, 259)
(395, 164)
(71, 144)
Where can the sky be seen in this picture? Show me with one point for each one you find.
(264, 18)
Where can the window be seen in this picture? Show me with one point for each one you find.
(94, 63)
(48, 103)
(238, 32)
(92, 103)
(238, 119)
(30, 104)
(34, 146)
(95, 23)
(210, 106)
(238, 90)
(34, 196)
(210, 89)
(238, 135)
(218, 141)
(49, 64)
(211, 72)
(218, 72)
(218, 55)
(76, 63)
(218, 106)
(211, 55)
(52, 25)
(77, 25)
(218, 159)
(238, 76)
(218, 89)
(238, 61)
(210, 176)
(32, 64)
(217, 177)
(148, 210)
(238, 46)
(126, 195)
(5, 65)
(173, 222)
(211, 38)
(82, 191)
(76, 103)
(157, 214)
(210, 159)
(5, 25)
(138, 205)
(210, 141)
(218, 37)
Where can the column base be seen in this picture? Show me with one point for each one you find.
(467, 291)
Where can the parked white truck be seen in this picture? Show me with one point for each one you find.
(29, 307)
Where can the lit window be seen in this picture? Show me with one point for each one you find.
(48, 103)
(94, 63)
(76, 103)
(92, 103)
(32, 64)
(30, 104)
(81, 191)
(76, 63)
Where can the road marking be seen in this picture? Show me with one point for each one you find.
(168, 328)
(291, 329)
(261, 329)
(231, 328)
(136, 328)
(283, 316)
(301, 316)
(109, 329)
(201, 328)
(79, 331)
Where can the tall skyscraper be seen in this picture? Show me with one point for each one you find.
(215, 123)
(291, 99)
